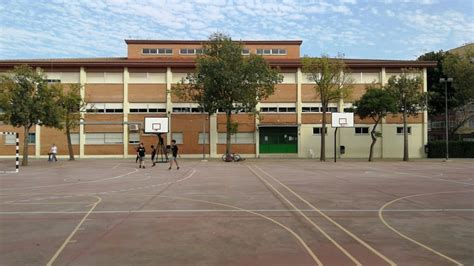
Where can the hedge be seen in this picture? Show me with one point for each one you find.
(457, 149)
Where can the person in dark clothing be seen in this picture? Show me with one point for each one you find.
(174, 152)
(141, 155)
(153, 154)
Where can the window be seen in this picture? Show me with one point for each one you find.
(237, 138)
(104, 138)
(276, 109)
(74, 138)
(147, 108)
(269, 109)
(245, 51)
(52, 81)
(186, 110)
(400, 130)
(31, 138)
(331, 110)
(10, 139)
(348, 109)
(178, 137)
(318, 130)
(206, 138)
(271, 51)
(187, 51)
(361, 130)
(104, 108)
(310, 109)
(286, 109)
(159, 51)
(134, 138)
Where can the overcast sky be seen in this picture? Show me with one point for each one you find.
(385, 29)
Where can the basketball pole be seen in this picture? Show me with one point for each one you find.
(335, 133)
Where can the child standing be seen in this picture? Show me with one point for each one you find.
(174, 152)
(141, 155)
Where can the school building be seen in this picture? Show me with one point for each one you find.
(122, 91)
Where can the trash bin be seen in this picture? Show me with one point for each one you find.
(342, 149)
(427, 148)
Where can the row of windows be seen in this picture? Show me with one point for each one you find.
(198, 110)
(194, 51)
(134, 138)
(358, 130)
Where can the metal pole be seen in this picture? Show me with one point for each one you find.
(446, 114)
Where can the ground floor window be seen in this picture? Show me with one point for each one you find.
(318, 130)
(104, 138)
(178, 136)
(361, 130)
(400, 130)
(237, 138)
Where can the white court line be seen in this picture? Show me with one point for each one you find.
(232, 210)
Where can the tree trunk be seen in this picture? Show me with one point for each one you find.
(405, 137)
(323, 136)
(228, 134)
(69, 144)
(26, 132)
(374, 139)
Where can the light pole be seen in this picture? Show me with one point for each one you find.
(445, 81)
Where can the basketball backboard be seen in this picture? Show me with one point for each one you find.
(155, 125)
(342, 120)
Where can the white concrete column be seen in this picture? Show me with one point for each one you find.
(383, 82)
(37, 141)
(257, 131)
(169, 103)
(125, 111)
(82, 136)
(299, 81)
(213, 136)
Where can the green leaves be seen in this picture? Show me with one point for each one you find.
(407, 91)
(375, 103)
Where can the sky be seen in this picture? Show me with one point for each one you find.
(368, 29)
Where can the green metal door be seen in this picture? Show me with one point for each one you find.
(278, 140)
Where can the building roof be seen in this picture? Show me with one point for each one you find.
(282, 42)
(190, 62)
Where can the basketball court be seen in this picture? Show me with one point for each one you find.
(257, 212)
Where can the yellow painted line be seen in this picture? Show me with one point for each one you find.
(390, 262)
(411, 239)
(68, 239)
(310, 252)
(306, 217)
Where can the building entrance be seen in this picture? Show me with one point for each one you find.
(278, 140)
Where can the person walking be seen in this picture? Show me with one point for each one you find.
(52, 153)
(153, 154)
(141, 155)
(174, 155)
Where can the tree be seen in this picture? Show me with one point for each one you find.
(375, 103)
(27, 100)
(332, 82)
(71, 103)
(409, 98)
(227, 81)
(461, 69)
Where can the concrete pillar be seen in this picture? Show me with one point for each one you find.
(383, 82)
(125, 111)
(82, 136)
(299, 81)
(213, 136)
(37, 141)
(169, 103)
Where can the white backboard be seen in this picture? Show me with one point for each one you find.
(342, 120)
(156, 125)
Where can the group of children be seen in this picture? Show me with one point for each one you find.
(141, 152)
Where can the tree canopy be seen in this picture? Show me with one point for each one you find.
(331, 83)
(227, 81)
(376, 103)
(27, 100)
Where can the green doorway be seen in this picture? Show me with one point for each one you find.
(278, 139)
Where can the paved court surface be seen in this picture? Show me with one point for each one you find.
(258, 212)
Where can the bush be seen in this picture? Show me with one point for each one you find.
(457, 149)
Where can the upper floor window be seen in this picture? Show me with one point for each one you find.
(186, 110)
(271, 51)
(271, 109)
(311, 109)
(104, 108)
(186, 51)
(245, 51)
(159, 51)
